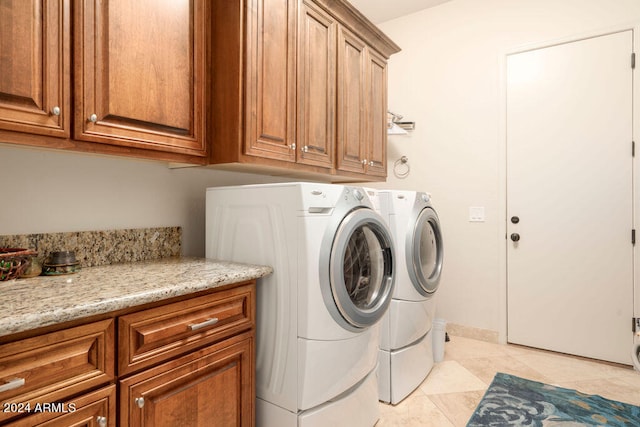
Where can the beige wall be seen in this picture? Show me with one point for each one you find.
(448, 80)
(46, 191)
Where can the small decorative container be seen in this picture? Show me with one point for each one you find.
(13, 261)
(62, 262)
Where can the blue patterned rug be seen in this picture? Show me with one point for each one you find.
(514, 401)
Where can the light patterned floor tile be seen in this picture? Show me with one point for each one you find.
(451, 377)
(458, 407)
(453, 389)
(416, 410)
(486, 368)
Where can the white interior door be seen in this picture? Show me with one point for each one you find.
(569, 183)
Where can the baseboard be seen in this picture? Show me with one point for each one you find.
(471, 332)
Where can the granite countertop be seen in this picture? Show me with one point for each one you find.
(47, 300)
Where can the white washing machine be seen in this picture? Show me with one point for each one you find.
(406, 349)
(318, 314)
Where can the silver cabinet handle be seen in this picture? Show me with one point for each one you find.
(364, 162)
(140, 402)
(305, 149)
(102, 421)
(93, 118)
(371, 163)
(12, 384)
(208, 322)
(292, 146)
(56, 111)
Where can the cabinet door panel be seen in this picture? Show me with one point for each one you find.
(84, 411)
(377, 115)
(316, 86)
(351, 102)
(57, 365)
(34, 66)
(212, 387)
(140, 68)
(270, 79)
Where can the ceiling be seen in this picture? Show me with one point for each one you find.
(383, 10)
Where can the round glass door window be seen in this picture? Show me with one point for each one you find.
(361, 269)
(425, 252)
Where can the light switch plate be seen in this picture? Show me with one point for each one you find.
(476, 214)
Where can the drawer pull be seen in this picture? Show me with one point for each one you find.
(208, 322)
(11, 384)
(140, 402)
(102, 421)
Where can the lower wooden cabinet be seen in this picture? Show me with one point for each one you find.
(211, 387)
(189, 362)
(96, 409)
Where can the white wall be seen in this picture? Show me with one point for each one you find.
(448, 80)
(46, 191)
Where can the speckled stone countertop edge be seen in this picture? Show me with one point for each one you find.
(27, 304)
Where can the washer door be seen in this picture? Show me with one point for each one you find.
(424, 252)
(361, 274)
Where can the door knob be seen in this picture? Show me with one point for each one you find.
(515, 219)
(515, 237)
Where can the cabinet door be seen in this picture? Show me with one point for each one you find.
(316, 86)
(213, 387)
(96, 409)
(270, 79)
(351, 105)
(140, 71)
(376, 121)
(34, 66)
(51, 367)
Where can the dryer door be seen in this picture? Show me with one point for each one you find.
(360, 267)
(424, 252)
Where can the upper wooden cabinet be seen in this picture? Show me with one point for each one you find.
(361, 107)
(311, 100)
(34, 66)
(140, 71)
(316, 86)
(138, 77)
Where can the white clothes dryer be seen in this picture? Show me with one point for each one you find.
(318, 314)
(406, 349)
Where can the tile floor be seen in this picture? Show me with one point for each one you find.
(455, 386)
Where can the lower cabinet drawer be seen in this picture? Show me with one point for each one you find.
(152, 336)
(96, 409)
(52, 367)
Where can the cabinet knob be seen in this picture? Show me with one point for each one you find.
(102, 421)
(140, 402)
(305, 149)
(292, 146)
(371, 163)
(364, 162)
(93, 118)
(55, 111)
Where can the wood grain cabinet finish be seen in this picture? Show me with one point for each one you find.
(35, 66)
(188, 362)
(270, 79)
(362, 107)
(316, 86)
(210, 387)
(155, 335)
(140, 72)
(291, 86)
(55, 366)
(95, 409)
